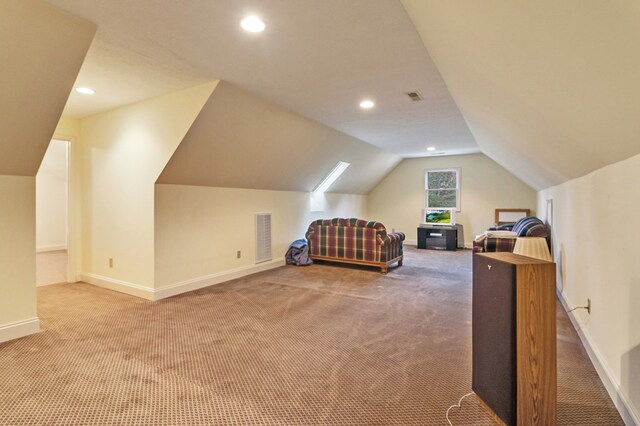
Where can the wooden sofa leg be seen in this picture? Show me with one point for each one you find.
(384, 269)
(400, 262)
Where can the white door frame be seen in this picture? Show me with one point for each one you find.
(73, 243)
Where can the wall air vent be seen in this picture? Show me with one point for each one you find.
(438, 153)
(415, 96)
(263, 237)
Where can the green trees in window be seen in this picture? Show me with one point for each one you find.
(442, 188)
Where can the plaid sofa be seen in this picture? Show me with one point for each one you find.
(354, 241)
(529, 226)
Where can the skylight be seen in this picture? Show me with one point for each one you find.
(333, 175)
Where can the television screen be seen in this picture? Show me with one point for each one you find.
(439, 217)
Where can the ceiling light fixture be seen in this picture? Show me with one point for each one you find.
(253, 24)
(367, 104)
(431, 148)
(85, 90)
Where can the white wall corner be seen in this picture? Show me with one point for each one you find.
(19, 329)
(213, 279)
(318, 202)
(629, 416)
(118, 285)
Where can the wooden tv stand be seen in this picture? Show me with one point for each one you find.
(514, 337)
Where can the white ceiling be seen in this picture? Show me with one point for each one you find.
(552, 93)
(317, 58)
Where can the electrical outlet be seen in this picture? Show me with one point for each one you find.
(239, 254)
(589, 306)
(111, 262)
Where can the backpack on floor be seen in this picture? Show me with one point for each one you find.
(298, 253)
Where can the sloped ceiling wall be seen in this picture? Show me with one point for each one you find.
(550, 89)
(242, 141)
(41, 52)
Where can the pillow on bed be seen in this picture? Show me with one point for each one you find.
(527, 227)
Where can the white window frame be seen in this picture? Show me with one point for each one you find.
(458, 172)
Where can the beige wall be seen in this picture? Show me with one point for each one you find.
(242, 141)
(51, 198)
(122, 154)
(541, 84)
(17, 250)
(42, 50)
(398, 200)
(199, 229)
(596, 250)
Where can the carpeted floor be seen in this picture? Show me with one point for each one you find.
(321, 345)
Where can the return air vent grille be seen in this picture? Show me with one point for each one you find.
(415, 96)
(263, 237)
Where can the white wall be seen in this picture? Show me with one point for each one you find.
(398, 200)
(596, 240)
(200, 229)
(51, 198)
(17, 256)
(123, 152)
(42, 50)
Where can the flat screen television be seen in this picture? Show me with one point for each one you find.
(439, 217)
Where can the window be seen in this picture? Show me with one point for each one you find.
(442, 189)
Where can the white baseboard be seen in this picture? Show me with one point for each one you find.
(180, 287)
(623, 405)
(220, 277)
(118, 285)
(19, 329)
(43, 249)
(48, 284)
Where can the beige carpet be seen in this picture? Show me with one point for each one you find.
(321, 345)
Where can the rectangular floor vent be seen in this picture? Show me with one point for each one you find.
(263, 237)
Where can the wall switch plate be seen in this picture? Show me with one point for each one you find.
(111, 262)
(239, 254)
(589, 306)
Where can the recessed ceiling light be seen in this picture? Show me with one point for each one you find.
(253, 24)
(367, 104)
(85, 90)
(431, 148)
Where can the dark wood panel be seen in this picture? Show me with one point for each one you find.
(494, 335)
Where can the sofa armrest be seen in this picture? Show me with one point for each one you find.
(309, 235)
(393, 238)
(539, 230)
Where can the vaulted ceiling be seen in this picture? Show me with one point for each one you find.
(316, 58)
(546, 88)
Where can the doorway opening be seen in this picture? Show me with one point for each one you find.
(52, 215)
